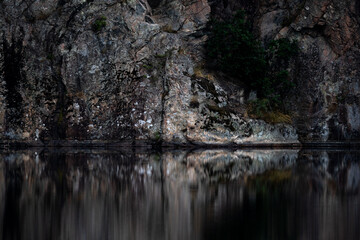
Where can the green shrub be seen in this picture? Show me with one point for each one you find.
(261, 108)
(99, 24)
(283, 49)
(239, 54)
(235, 49)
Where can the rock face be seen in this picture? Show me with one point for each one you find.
(325, 103)
(133, 70)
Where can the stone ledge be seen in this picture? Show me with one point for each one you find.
(15, 144)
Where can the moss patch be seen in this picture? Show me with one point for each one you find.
(273, 117)
(167, 28)
(148, 67)
(157, 136)
(99, 24)
(261, 109)
(200, 72)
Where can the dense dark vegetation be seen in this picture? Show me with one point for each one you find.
(239, 54)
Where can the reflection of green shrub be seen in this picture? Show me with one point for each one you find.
(99, 24)
(266, 181)
(237, 53)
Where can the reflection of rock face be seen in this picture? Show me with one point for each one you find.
(175, 195)
(2, 194)
(215, 165)
(340, 170)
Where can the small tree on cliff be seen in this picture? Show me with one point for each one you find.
(239, 54)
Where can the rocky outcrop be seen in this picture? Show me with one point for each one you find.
(328, 79)
(134, 70)
(325, 102)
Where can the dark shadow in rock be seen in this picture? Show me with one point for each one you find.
(13, 78)
(154, 3)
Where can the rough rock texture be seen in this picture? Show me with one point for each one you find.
(133, 70)
(325, 103)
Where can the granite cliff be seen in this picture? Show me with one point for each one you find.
(121, 70)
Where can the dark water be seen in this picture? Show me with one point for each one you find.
(210, 194)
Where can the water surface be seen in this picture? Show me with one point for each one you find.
(200, 194)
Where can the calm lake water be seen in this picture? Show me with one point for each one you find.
(200, 194)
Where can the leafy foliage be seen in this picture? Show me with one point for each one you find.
(283, 49)
(237, 53)
(236, 50)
